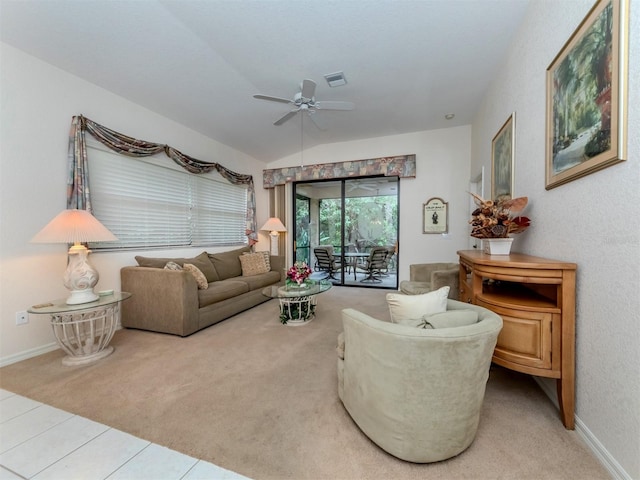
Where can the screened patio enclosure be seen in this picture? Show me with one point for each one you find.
(355, 220)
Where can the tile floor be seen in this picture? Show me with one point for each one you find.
(40, 442)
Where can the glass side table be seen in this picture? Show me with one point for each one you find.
(84, 331)
(297, 304)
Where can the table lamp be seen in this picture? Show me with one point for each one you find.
(77, 227)
(274, 225)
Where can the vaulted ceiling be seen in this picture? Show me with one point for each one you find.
(408, 63)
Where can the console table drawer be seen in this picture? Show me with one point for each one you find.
(525, 338)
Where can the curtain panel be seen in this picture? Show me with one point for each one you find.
(78, 191)
(403, 166)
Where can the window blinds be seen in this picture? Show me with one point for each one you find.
(147, 205)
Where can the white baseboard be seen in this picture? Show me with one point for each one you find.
(34, 352)
(601, 453)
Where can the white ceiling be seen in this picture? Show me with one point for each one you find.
(199, 62)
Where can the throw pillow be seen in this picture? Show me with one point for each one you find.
(201, 280)
(266, 255)
(450, 319)
(409, 309)
(253, 264)
(227, 264)
(172, 266)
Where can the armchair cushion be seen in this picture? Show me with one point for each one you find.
(450, 319)
(409, 309)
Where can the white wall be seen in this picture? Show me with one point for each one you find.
(591, 221)
(442, 170)
(37, 104)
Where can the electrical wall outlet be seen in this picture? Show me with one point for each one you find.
(22, 318)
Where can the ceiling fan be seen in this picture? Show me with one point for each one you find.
(362, 185)
(305, 102)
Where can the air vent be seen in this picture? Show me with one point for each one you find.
(335, 79)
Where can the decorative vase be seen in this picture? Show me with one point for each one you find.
(497, 246)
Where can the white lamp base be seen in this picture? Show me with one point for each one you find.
(82, 296)
(80, 276)
(274, 243)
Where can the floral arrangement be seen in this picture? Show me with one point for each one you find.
(496, 219)
(298, 273)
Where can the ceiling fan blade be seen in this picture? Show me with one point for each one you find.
(289, 115)
(330, 105)
(272, 99)
(308, 88)
(317, 121)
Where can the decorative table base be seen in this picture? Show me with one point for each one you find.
(83, 331)
(85, 336)
(298, 310)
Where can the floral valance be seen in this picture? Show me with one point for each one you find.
(398, 166)
(78, 192)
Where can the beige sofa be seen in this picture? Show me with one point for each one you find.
(170, 301)
(416, 392)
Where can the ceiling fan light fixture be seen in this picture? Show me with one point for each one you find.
(336, 79)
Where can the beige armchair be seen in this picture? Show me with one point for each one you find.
(417, 393)
(427, 277)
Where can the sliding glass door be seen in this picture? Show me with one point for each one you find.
(356, 219)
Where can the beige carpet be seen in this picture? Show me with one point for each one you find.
(260, 398)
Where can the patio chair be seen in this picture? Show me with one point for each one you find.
(376, 264)
(326, 262)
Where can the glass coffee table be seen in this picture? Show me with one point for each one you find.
(297, 304)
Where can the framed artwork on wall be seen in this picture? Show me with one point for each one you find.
(502, 159)
(587, 95)
(435, 216)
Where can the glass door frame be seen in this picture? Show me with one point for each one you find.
(344, 279)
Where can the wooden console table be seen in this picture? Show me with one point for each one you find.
(536, 299)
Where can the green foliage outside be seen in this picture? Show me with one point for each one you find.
(369, 221)
(582, 89)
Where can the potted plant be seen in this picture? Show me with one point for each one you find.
(494, 220)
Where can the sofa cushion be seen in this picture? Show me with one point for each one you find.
(221, 290)
(172, 266)
(409, 309)
(227, 264)
(253, 264)
(201, 280)
(260, 281)
(202, 261)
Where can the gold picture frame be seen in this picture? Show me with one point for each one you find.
(586, 96)
(435, 216)
(503, 148)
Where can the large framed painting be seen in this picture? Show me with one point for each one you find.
(587, 95)
(502, 159)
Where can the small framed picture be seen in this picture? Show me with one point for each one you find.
(435, 216)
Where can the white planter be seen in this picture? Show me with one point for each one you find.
(497, 246)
